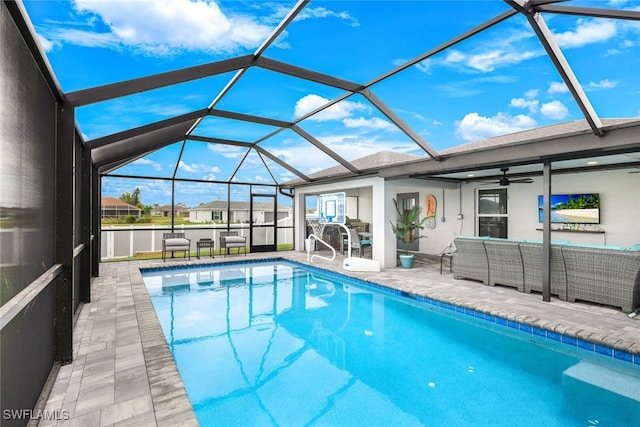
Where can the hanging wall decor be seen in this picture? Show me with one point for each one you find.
(431, 212)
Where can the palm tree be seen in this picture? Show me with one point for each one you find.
(406, 226)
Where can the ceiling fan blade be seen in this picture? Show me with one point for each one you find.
(521, 181)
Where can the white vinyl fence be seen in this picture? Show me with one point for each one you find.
(127, 241)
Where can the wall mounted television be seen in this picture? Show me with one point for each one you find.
(581, 208)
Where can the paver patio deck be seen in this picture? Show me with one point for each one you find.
(123, 373)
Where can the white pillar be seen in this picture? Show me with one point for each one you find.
(384, 241)
(301, 220)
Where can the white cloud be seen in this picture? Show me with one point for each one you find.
(47, 45)
(228, 151)
(323, 12)
(475, 127)
(308, 159)
(292, 154)
(424, 66)
(198, 168)
(170, 27)
(557, 87)
(164, 26)
(455, 56)
(586, 32)
(554, 110)
(374, 123)
(148, 162)
(531, 104)
(603, 84)
(496, 53)
(210, 177)
(352, 146)
(489, 61)
(81, 38)
(338, 111)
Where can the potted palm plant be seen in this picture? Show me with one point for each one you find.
(406, 228)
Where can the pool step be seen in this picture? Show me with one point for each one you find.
(607, 379)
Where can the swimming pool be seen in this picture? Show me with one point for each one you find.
(278, 343)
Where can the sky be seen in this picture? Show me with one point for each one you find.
(499, 81)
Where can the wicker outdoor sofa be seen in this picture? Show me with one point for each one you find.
(605, 276)
(505, 263)
(598, 274)
(532, 262)
(470, 259)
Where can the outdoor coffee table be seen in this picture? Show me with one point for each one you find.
(205, 243)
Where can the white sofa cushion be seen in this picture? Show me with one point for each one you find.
(176, 241)
(234, 239)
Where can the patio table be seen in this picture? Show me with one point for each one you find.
(205, 243)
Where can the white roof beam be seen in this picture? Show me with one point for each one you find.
(396, 120)
(324, 148)
(306, 74)
(549, 43)
(249, 118)
(295, 10)
(633, 15)
(138, 145)
(141, 130)
(281, 163)
(249, 145)
(478, 29)
(156, 81)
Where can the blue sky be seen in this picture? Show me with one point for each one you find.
(498, 82)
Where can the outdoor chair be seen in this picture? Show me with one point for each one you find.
(172, 242)
(231, 239)
(532, 262)
(603, 275)
(356, 242)
(470, 259)
(505, 263)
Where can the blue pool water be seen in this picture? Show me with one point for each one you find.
(277, 344)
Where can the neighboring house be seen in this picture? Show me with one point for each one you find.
(165, 211)
(116, 208)
(238, 212)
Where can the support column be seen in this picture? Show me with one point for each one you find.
(96, 225)
(384, 241)
(300, 223)
(64, 193)
(85, 222)
(546, 232)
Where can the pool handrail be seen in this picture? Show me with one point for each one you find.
(318, 239)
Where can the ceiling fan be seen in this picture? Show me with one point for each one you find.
(504, 181)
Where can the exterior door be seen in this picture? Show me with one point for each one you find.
(407, 201)
(263, 223)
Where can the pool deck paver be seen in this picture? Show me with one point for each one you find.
(123, 373)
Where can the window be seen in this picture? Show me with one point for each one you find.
(216, 216)
(492, 213)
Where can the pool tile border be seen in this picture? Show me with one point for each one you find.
(566, 339)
